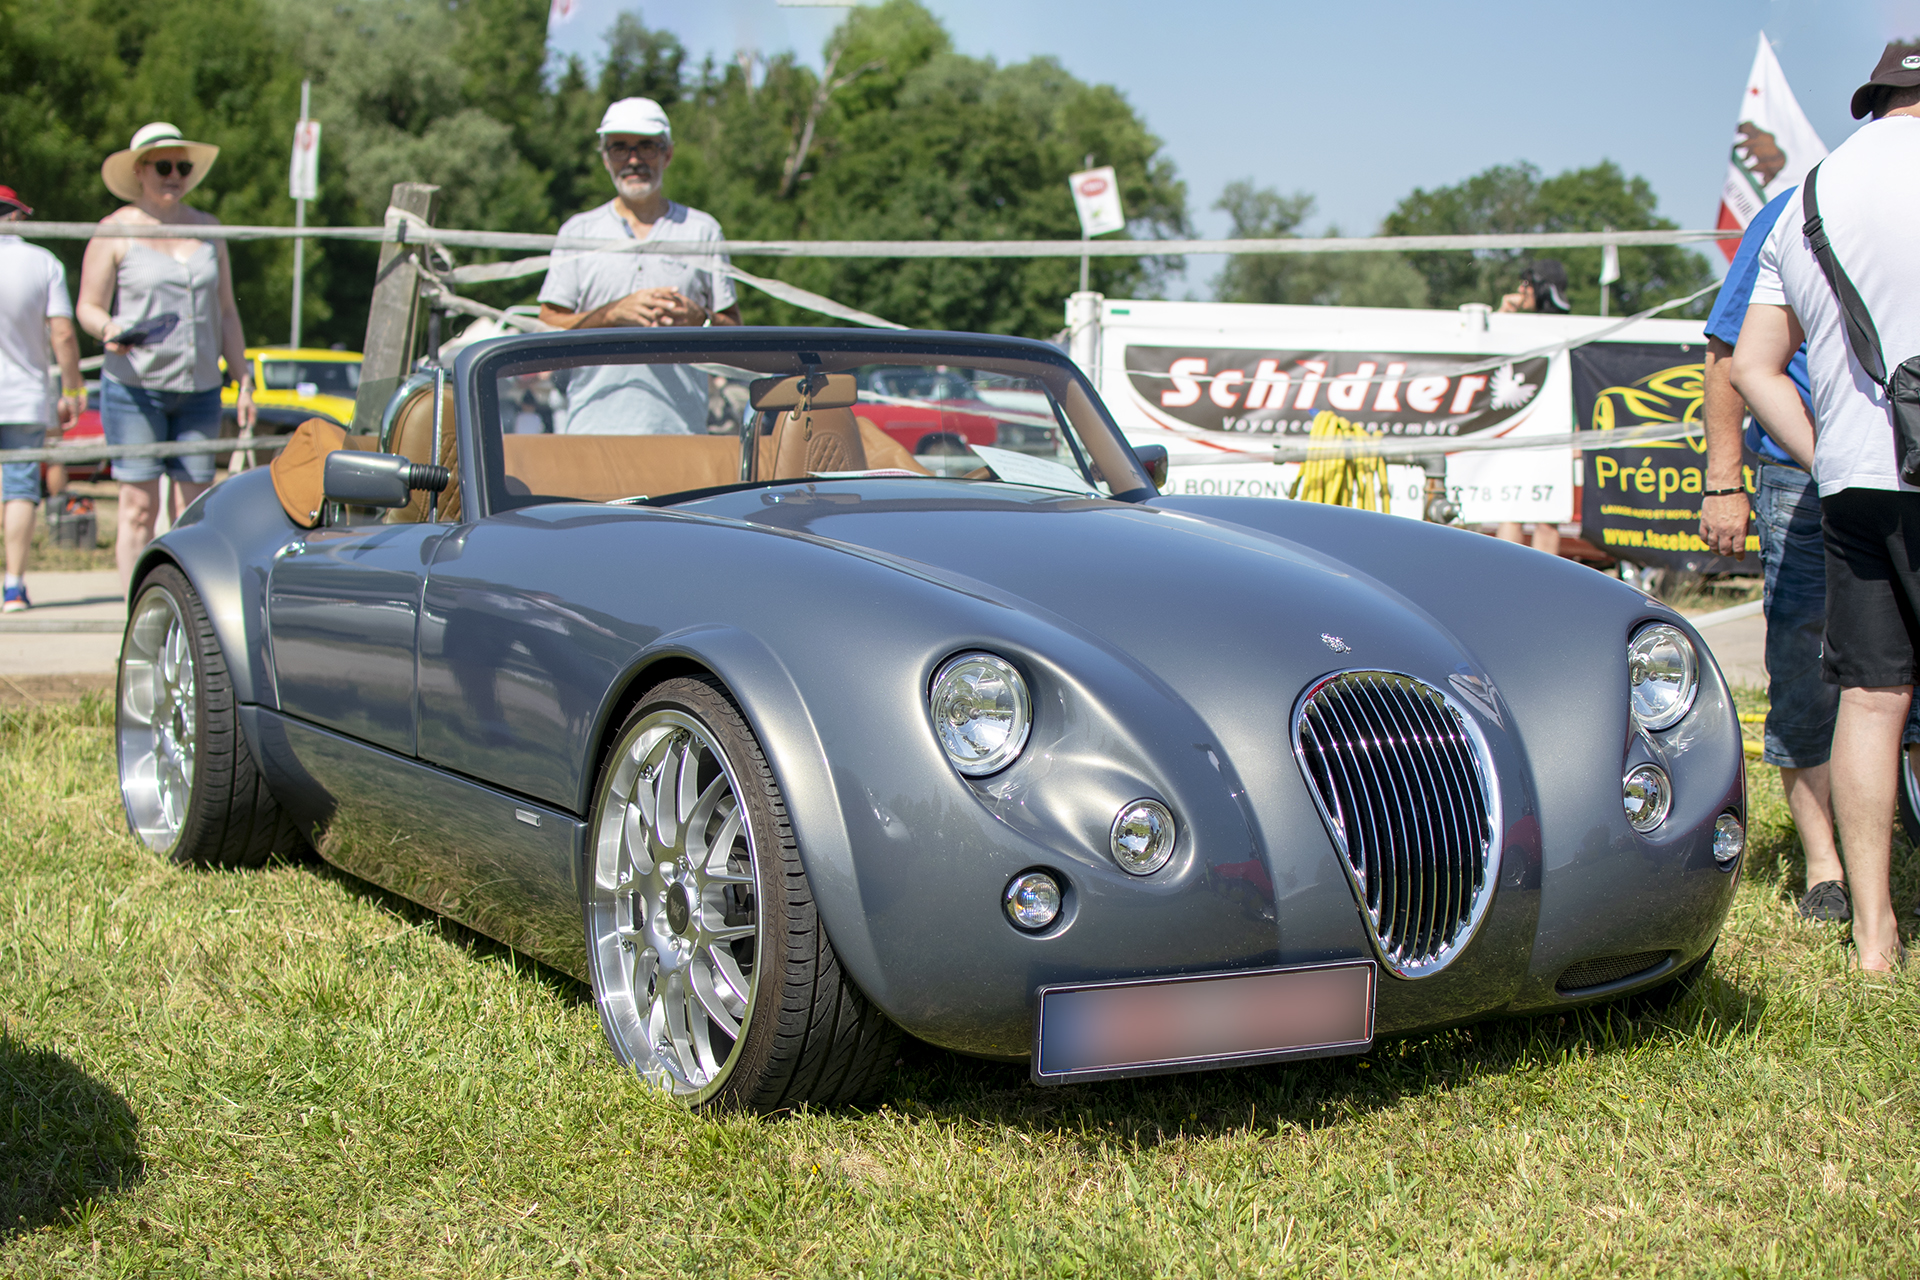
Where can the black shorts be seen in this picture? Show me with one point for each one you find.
(1873, 587)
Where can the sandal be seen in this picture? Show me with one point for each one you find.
(1829, 901)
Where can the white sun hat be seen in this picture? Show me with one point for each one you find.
(643, 116)
(120, 171)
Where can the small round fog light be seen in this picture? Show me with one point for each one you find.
(1729, 839)
(1647, 795)
(1032, 900)
(1142, 837)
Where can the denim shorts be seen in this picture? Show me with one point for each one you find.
(20, 481)
(135, 415)
(1793, 555)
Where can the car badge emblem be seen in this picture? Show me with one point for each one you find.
(1335, 643)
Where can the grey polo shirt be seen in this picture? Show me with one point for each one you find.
(637, 399)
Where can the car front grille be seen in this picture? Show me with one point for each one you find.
(1407, 792)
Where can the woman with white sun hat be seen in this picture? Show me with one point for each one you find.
(164, 307)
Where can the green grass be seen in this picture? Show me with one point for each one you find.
(290, 1072)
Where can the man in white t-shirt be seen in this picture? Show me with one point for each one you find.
(604, 290)
(36, 328)
(1868, 191)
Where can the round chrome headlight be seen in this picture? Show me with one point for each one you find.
(1647, 795)
(1663, 673)
(1142, 838)
(1032, 900)
(1729, 839)
(981, 712)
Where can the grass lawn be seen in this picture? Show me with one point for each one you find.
(290, 1072)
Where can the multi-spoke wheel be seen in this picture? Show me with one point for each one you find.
(187, 779)
(712, 974)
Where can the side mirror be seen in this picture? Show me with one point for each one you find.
(378, 479)
(1154, 458)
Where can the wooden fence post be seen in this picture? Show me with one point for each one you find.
(391, 316)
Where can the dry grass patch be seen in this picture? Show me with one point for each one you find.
(289, 1072)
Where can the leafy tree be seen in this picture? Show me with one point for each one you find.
(83, 76)
(1514, 198)
(918, 142)
(1325, 279)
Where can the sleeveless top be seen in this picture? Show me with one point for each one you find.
(152, 283)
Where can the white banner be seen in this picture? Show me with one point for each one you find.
(1773, 146)
(303, 178)
(1096, 198)
(1219, 384)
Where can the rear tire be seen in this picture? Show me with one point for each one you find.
(188, 779)
(712, 973)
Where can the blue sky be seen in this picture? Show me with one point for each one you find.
(1358, 105)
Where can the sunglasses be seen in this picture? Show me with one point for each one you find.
(165, 168)
(629, 150)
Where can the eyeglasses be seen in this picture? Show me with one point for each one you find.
(165, 168)
(649, 147)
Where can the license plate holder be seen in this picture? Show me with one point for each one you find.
(1199, 1022)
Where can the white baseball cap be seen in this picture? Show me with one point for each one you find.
(643, 116)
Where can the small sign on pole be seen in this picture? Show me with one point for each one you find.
(303, 180)
(1096, 198)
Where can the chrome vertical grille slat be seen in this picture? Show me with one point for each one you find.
(1404, 782)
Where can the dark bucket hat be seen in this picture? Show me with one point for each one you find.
(1899, 69)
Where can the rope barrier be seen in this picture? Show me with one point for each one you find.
(162, 449)
(414, 232)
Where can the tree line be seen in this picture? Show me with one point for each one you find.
(898, 137)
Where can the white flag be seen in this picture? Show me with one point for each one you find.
(1773, 146)
(303, 179)
(1096, 197)
(561, 11)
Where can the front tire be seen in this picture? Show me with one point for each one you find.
(712, 973)
(188, 780)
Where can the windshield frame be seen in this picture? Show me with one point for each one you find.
(479, 368)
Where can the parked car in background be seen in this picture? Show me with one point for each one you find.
(292, 384)
(786, 744)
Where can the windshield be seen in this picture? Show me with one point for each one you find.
(311, 377)
(651, 430)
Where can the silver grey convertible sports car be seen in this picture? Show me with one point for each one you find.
(697, 684)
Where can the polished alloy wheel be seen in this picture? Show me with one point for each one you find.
(158, 721)
(674, 917)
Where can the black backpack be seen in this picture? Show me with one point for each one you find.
(1903, 388)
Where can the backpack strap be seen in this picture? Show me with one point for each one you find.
(1861, 334)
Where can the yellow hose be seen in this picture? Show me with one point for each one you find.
(1341, 482)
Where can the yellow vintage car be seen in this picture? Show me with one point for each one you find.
(292, 384)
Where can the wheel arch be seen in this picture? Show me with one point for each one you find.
(769, 698)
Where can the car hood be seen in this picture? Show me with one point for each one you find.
(1214, 609)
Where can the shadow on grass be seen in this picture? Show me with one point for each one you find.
(476, 944)
(65, 1138)
(1313, 1094)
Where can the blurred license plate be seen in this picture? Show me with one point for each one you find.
(1098, 1030)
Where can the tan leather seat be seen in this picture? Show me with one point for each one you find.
(596, 468)
(603, 468)
(413, 436)
(816, 440)
(299, 470)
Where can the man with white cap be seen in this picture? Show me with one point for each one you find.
(603, 290)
